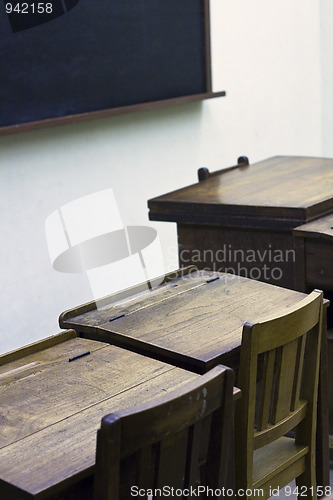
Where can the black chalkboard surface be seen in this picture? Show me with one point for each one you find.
(68, 58)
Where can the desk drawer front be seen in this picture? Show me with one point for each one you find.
(319, 264)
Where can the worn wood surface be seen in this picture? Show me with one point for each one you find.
(131, 300)
(282, 188)
(196, 326)
(285, 398)
(201, 326)
(51, 409)
(22, 352)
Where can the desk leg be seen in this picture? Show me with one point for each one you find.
(300, 281)
(230, 479)
(322, 449)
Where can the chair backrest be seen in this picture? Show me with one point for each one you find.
(278, 376)
(179, 440)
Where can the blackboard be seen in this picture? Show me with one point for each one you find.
(73, 58)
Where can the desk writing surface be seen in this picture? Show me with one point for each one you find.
(196, 325)
(88, 316)
(287, 187)
(51, 409)
(204, 325)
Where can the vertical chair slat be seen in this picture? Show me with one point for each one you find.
(298, 373)
(146, 463)
(172, 462)
(197, 450)
(266, 391)
(285, 381)
(106, 483)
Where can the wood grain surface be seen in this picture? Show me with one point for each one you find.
(196, 323)
(282, 187)
(51, 409)
(289, 182)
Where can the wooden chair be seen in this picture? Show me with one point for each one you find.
(286, 396)
(179, 440)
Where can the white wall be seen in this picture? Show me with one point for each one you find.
(266, 54)
(326, 10)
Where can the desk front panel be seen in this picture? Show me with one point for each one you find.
(265, 255)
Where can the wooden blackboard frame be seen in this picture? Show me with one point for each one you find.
(154, 104)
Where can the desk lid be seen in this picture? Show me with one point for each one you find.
(194, 320)
(289, 190)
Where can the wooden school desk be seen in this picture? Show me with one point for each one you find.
(193, 321)
(246, 219)
(51, 409)
(314, 254)
(241, 219)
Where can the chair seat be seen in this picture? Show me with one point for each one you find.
(274, 458)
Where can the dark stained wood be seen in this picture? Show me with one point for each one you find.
(324, 407)
(283, 188)
(261, 254)
(51, 409)
(203, 325)
(264, 457)
(259, 208)
(319, 269)
(197, 324)
(131, 300)
(241, 219)
(20, 353)
(330, 384)
(95, 115)
(194, 322)
(162, 442)
(314, 244)
(318, 229)
(314, 258)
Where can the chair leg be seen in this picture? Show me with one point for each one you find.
(306, 482)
